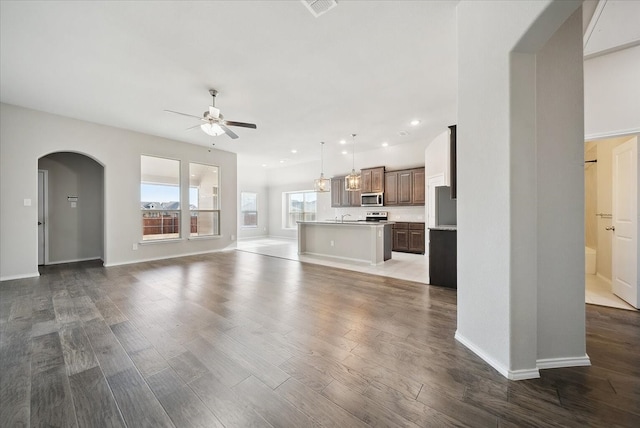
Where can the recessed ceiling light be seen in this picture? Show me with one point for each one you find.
(264, 165)
(385, 144)
(281, 160)
(294, 151)
(415, 122)
(344, 152)
(343, 142)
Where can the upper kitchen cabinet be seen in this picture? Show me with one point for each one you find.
(391, 188)
(372, 180)
(406, 187)
(340, 197)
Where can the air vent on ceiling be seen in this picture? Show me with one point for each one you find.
(319, 7)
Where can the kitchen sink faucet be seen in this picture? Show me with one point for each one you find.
(343, 216)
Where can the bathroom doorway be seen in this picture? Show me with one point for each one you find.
(600, 261)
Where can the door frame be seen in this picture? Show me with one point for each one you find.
(45, 215)
(617, 134)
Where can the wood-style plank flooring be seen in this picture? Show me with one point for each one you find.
(235, 339)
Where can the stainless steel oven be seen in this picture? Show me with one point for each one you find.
(371, 199)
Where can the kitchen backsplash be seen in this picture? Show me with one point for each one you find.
(410, 214)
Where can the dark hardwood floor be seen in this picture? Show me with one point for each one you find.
(236, 339)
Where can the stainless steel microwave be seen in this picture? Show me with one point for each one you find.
(371, 199)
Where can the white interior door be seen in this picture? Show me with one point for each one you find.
(41, 216)
(433, 182)
(624, 251)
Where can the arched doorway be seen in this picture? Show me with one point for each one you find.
(70, 208)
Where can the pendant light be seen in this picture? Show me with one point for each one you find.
(352, 181)
(322, 184)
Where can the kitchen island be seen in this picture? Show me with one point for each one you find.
(360, 241)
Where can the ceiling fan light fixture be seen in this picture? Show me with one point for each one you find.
(352, 181)
(212, 129)
(322, 184)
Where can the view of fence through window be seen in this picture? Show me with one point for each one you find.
(301, 206)
(204, 200)
(249, 209)
(160, 198)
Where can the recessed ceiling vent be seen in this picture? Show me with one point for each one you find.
(319, 7)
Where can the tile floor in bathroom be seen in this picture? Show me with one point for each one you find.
(598, 292)
(410, 267)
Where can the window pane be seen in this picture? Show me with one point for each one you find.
(204, 202)
(160, 224)
(296, 202)
(203, 187)
(205, 223)
(248, 209)
(160, 197)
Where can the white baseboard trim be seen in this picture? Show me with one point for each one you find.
(61, 262)
(556, 363)
(290, 238)
(346, 259)
(522, 374)
(153, 259)
(21, 276)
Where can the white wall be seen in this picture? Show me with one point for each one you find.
(437, 157)
(560, 197)
(498, 231)
(612, 94)
(74, 233)
(119, 151)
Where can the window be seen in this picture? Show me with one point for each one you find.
(301, 206)
(204, 199)
(160, 198)
(248, 209)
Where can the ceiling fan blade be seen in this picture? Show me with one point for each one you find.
(183, 114)
(193, 127)
(229, 132)
(241, 124)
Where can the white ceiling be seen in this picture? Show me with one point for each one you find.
(614, 25)
(363, 67)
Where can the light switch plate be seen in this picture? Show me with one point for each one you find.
(27, 202)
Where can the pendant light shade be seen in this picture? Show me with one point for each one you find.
(352, 181)
(322, 184)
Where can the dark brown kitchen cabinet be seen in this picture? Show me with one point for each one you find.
(337, 184)
(391, 188)
(418, 183)
(340, 197)
(416, 238)
(408, 237)
(372, 180)
(406, 187)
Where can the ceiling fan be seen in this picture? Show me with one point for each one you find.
(215, 124)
